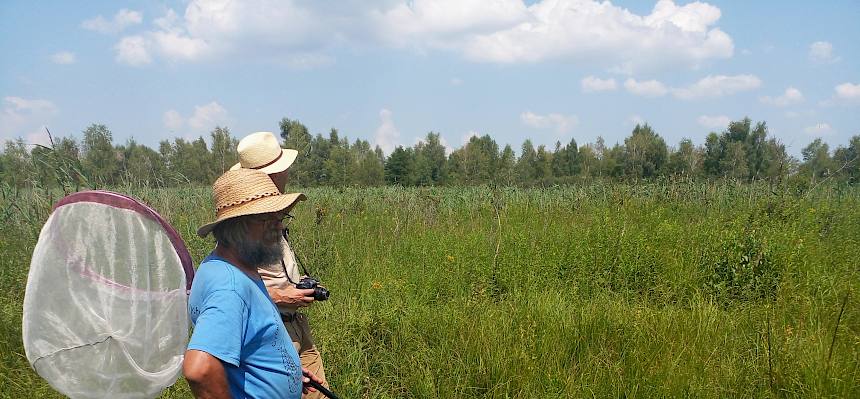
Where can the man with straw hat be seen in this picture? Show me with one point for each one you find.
(261, 151)
(239, 347)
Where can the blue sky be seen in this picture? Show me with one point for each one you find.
(390, 71)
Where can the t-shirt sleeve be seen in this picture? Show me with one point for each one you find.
(220, 326)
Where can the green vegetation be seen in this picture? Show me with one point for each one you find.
(743, 152)
(674, 288)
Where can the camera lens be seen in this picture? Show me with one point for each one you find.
(320, 294)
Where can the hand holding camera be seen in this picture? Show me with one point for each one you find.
(307, 282)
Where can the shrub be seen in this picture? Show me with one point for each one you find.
(741, 269)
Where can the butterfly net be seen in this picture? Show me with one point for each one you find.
(105, 305)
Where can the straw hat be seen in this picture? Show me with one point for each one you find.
(261, 151)
(246, 192)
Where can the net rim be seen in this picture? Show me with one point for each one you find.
(123, 201)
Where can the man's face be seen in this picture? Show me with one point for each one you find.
(280, 180)
(262, 246)
(266, 227)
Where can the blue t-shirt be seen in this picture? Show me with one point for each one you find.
(235, 320)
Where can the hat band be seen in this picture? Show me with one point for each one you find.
(280, 154)
(245, 200)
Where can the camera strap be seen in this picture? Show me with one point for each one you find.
(286, 273)
(286, 234)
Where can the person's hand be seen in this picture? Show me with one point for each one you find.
(290, 295)
(307, 376)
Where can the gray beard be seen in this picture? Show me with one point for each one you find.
(257, 254)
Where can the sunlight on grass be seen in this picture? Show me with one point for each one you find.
(707, 290)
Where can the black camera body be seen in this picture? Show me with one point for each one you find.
(306, 283)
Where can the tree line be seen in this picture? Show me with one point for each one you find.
(743, 151)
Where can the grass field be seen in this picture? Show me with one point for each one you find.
(654, 290)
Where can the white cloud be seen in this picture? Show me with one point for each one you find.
(132, 50)
(269, 24)
(790, 97)
(204, 118)
(19, 104)
(717, 86)
(558, 122)
(636, 120)
(592, 84)
(847, 91)
(586, 29)
(21, 117)
(121, 20)
(280, 31)
(713, 122)
(439, 23)
(97, 24)
(820, 129)
(173, 121)
(207, 117)
(63, 58)
(822, 53)
(647, 88)
(176, 46)
(456, 81)
(847, 94)
(498, 31)
(387, 136)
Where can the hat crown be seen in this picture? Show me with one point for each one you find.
(237, 187)
(242, 192)
(258, 150)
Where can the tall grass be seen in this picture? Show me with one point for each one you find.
(670, 289)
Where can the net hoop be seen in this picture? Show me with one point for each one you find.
(126, 202)
(105, 304)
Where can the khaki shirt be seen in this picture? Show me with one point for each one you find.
(273, 275)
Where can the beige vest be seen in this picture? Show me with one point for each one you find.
(274, 277)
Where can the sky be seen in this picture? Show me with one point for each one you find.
(391, 71)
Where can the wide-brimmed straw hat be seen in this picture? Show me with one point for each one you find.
(246, 192)
(261, 151)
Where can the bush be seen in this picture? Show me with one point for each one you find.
(741, 269)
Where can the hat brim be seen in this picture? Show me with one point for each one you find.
(262, 205)
(288, 156)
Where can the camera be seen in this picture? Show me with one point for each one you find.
(306, 283)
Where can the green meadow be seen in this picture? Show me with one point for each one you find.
(669, 289)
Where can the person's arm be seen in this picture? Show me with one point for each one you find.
(290, 295)
(205, 375)
(221, 319)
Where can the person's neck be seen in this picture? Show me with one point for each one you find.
(232, 256)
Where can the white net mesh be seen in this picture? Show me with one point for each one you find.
(105, 307)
